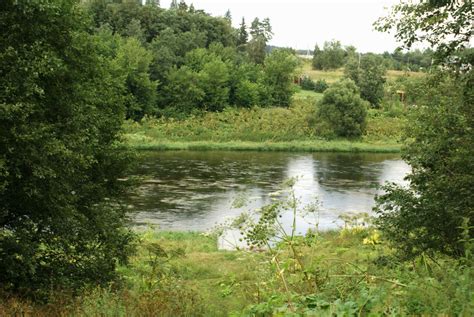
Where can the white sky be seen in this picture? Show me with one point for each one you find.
(302, 23)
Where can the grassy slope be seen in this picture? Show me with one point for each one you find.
(183, 274)
(264, 129)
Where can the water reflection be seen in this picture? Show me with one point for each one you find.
(188, 190)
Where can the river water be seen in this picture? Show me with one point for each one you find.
(195, 190)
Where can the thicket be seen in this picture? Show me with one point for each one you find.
(332, 56)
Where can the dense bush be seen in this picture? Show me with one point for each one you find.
(61, 112)
(343, 109)
(307, 83)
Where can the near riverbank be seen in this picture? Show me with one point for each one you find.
(338, 273)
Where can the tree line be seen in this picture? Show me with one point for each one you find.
(333, 56)
(179, 60)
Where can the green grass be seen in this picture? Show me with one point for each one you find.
(261, 129)
(183, 274)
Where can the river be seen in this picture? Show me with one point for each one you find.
(195, 190)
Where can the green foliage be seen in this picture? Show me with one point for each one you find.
(214, 78)
(330, 57)
(440, 151)
(368, 74)
(307, 83)
(243, 36)
(343, 109)
(432, 213)
(279, 68)
(133, 60)
(183, 91)
(320, 86)
(61, 112)
(414, 60)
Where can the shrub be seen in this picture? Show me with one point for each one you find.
(307, 83)
(343, 109)
(317, 86)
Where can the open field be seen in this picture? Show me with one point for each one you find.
(334, 75)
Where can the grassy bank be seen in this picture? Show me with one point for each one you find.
(261, 129)
(348, 272)
(291, 146)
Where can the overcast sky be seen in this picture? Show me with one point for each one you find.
(302, 23)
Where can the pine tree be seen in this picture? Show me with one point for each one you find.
(228, 16)
(243, 35)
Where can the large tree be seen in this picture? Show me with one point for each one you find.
(427, 215)
(343, 110)
(368, 73)
(331, 57)
(60, 118)
(242, 36)
(279, 68)
(261, 32)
